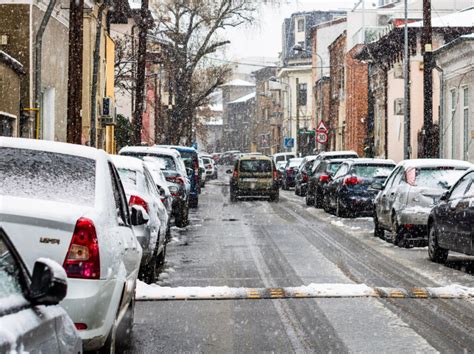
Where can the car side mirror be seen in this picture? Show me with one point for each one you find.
(228, 172)
(444, 197)
(138, 216)
(376, 186)
(189, 171)
(48, 283)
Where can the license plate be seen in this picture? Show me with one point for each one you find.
(251, 180)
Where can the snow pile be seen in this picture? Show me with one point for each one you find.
(333, 290)
(453, 291)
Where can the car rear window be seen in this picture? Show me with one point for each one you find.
(370, 170)
(47, 175)
(346, 156)
(434, 177)
(127, 176)
(255, 166)
(333, 167)
(166, 162)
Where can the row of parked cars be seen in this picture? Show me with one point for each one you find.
(80, 226)
(416, 202)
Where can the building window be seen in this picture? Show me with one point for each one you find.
(453, 115)
(466, 130)
(300, 25)
(302, 94)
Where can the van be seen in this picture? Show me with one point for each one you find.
(283, 156)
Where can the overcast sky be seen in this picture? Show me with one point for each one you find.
(264, 37)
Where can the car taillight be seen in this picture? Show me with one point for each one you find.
(235, 174)
(82, 258)
(175, 179)
(275, 174)
(136, 200)
(323, 178)
(350, 180)
(305, 178)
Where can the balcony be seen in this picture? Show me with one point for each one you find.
(368, 34)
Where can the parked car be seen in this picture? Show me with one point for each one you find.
(174, 171)
(66, 202)
(283, 156)
(228, 157)
(191, 162)
(405, 200)
(322, 172)
(348, 192)
(254, 176)
(280, 167)
(141, 191)
(156, 170)
(451, 222)
(31, 321)
(216, 157)
(202, 174)
(327, 155)
(209, 165)
(303, 174)
(289, 173)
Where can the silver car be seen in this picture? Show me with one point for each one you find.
(405, 200)
(142, 192)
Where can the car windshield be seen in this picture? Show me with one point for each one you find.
(255, 166)
(47, 175)
(166, 162)
(371, 171)
(442, 177)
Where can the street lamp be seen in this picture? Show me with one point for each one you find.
(274, 79)
(299, 48)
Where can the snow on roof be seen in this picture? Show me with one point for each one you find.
(135, 4)
(468, 36)
(11, 62)
(238, 82)
(53, 146)
(244, 98)
(127, 162)
(463, 18)
(414, 163)
(150, 149)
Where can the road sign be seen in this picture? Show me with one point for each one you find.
(321, 127)
(322, 137)
(289, 142)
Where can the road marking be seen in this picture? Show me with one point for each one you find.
(157, 293)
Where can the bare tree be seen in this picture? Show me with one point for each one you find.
(193, 28)
(125, 61)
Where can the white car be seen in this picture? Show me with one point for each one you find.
(209, 165)
(66, 202)
(141, 191)
(30, 318)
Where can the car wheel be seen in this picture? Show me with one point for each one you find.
(168, 233)
(233, 196)
(398, 234)
(275, 197)
(297, 191)
(125, 329)
(182, 218)
(318, 200)
(340, 210)
(309, 200)
(161, 258)
(193, 202)
(378, 231)
(435, 252)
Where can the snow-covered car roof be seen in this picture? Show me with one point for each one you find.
(373, 161)
(151, 149)
(414, 163)
(53, 146)
(127, 162)
(337, 153)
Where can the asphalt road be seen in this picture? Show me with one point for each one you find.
(256, 243)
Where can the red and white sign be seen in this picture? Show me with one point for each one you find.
(321, 127)
(321, 137)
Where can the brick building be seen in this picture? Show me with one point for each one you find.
(357, 85)
(337, 49)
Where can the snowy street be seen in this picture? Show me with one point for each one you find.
(256, 244)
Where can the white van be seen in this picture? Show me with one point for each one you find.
(283, 156)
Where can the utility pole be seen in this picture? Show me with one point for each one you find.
(406, 121)
(427, 48)
(297, 116)
(141, 69)
(74, 93)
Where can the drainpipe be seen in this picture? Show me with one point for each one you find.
(441, 112)
(95, 74)
(38, 52)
